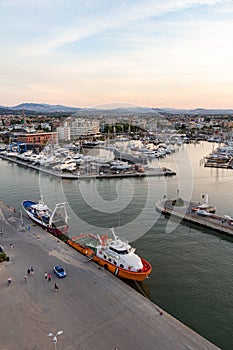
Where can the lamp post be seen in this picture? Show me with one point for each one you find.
(55, 337)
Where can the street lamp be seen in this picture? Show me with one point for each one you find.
(55, 337)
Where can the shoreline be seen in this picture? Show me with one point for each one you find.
(90, 301)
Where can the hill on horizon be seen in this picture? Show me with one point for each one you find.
(116, 108)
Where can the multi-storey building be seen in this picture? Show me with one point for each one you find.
(63, 132)
(39, 138)
(76, 127)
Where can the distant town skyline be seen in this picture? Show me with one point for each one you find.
(149, 53)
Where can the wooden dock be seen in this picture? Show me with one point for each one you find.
(214, 222)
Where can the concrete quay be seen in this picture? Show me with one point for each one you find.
(73, 176)
(95, 309)
(214, 222)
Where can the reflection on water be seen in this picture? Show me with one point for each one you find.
(192, 267)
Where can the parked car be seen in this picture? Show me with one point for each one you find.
(59, 271)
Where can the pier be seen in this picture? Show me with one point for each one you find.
(75, 176)
(214, 222)
(93, 308)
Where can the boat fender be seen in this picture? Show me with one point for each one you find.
(116, 272)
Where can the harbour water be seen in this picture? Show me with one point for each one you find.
(192, 266)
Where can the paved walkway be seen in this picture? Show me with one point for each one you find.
(95, 309)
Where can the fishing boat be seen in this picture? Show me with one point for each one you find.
(55, 222)
(114, 254)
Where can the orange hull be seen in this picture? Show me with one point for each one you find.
(117, 271)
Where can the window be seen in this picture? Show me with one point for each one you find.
(122, 252)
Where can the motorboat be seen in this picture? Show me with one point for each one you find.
(69, 165)
(114, 254)
(119, 165)
(203, 212)
(55, 222)
(205, 207)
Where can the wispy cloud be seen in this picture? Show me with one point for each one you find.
(52, 24)
(100, 51)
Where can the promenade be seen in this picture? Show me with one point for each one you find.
(94, 309)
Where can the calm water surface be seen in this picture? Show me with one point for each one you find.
(192, 267)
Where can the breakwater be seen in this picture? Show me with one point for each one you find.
(185, 212)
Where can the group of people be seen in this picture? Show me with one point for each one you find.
(30, 271)
(48, 277)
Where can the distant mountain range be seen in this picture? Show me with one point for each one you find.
(116, 109)
(45, 108)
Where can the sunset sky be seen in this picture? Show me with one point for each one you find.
(84, 53)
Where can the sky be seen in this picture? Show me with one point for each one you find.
(86, 53)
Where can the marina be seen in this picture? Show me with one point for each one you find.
(191, 276)
(221, 157)
(161, 171)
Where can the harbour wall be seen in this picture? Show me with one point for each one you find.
(215, 222)
(95, 309)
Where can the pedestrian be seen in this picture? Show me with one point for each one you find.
(1, 232)
(32, 271)
(25, 279)
(56, 287)
(49, 277)
(9, 280)
(28, 271)
(11, 245)
(45, 276)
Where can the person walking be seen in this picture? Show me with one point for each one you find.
(46, 276)
(9, 281)
(28, 271)
(32, 271)
(1, 232)
(56, 287)
(49, 277)
(25, 279)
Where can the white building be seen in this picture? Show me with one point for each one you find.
(76, 127)
(63, 133)
(84, 127)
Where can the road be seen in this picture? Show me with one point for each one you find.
(95, 309)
